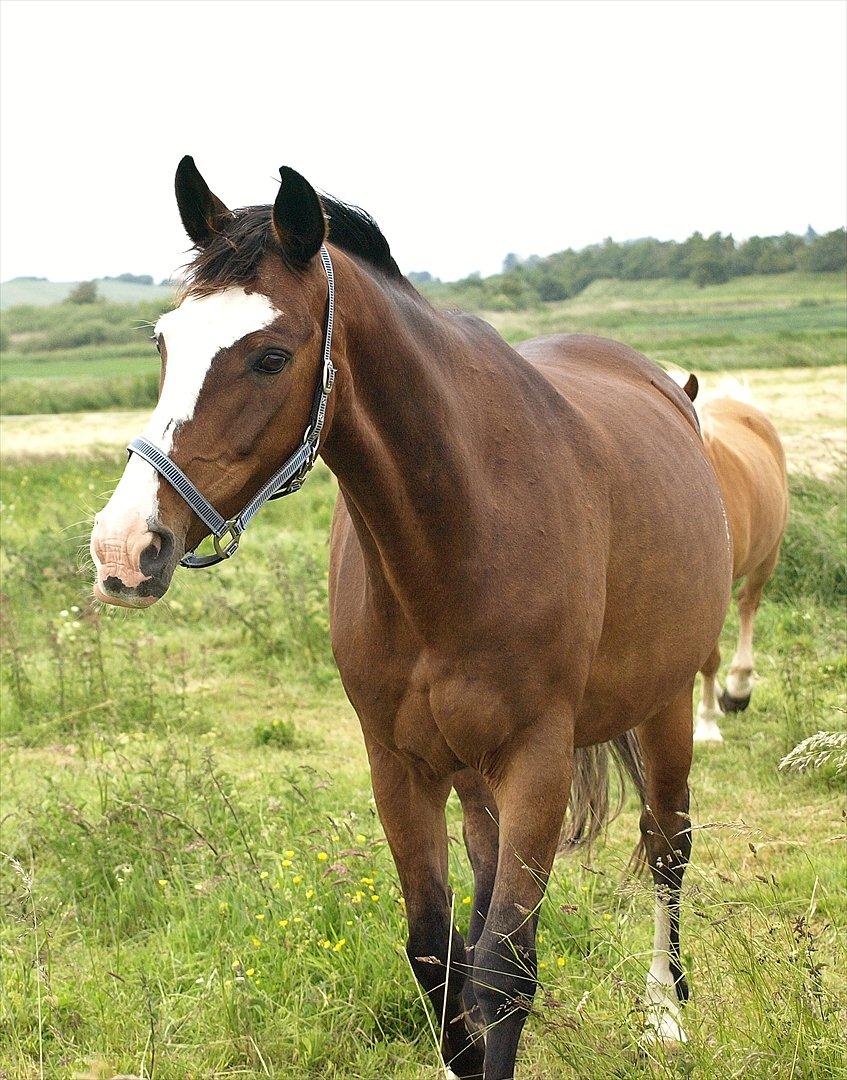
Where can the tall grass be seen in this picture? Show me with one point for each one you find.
(187, 893)
(21, 397)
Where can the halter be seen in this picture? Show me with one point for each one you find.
(285, 481)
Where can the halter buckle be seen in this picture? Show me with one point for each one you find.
(234, 531)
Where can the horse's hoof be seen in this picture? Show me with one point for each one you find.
(729, 704)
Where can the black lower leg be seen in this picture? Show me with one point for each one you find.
(438, 958)
(481, 834)
(505, 971)
(668, 852)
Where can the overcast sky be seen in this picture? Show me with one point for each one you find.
(467, 129)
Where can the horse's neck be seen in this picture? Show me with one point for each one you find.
(401, 439)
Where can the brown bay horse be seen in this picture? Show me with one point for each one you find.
(516, 569)
(749, 461)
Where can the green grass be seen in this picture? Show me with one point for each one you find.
(775, 321)
(79, 380)
(788, 320)
(197, 884)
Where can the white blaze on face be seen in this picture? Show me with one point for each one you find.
(193, 335)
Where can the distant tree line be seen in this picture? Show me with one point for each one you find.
(133, 279)
(706, 260)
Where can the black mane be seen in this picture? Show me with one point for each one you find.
(233, 256)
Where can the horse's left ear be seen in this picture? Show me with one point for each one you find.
(299, 223)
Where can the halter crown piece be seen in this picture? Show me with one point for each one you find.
(289, 478)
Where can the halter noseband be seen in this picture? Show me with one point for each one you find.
(286, 480)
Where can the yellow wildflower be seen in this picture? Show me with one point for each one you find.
(339, 945)
(326, 943)
(466, 900)
(263, 875)
(562, 961)
(250, 972)
(297, 879)
(163, 882)
(260, 915)
(286, 863)
(282, 922)
(289, 854)
(322, 856)
(310, 893)
(361, 838)
(255, 942)
(223, 906)
(374, 897)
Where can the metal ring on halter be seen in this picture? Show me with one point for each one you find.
(285, 481)
(234, 532)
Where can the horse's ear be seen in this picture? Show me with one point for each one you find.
(203, 214)
(692, 386)
(299, 223)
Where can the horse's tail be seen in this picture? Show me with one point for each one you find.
(590, 809)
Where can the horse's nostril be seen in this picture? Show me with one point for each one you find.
(156, 556)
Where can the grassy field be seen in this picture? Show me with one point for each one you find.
(195, 883)
(35, 293)
(783, 320)
(193, 879)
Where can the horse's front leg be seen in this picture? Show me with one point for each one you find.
(530, 779)
(411, 808)
(481, 832)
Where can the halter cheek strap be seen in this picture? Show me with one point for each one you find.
(226, 533)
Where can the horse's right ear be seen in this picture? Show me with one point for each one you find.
(203, 214)
(692, 386)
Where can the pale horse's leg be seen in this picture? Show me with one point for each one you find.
(706, 728)
(739, 681)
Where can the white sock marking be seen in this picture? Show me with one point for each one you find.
(706, 727)
(739, 684)
(664, 1018)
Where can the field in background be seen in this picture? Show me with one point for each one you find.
(31, 291)
(84, 357)
(196, 882)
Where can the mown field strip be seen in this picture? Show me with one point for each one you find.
(808, 406)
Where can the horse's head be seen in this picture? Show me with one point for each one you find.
(241, 356)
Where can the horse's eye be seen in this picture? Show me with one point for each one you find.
(271, 362)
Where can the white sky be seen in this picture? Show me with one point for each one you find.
(467, 129)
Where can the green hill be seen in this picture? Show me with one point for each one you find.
(38, 292)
